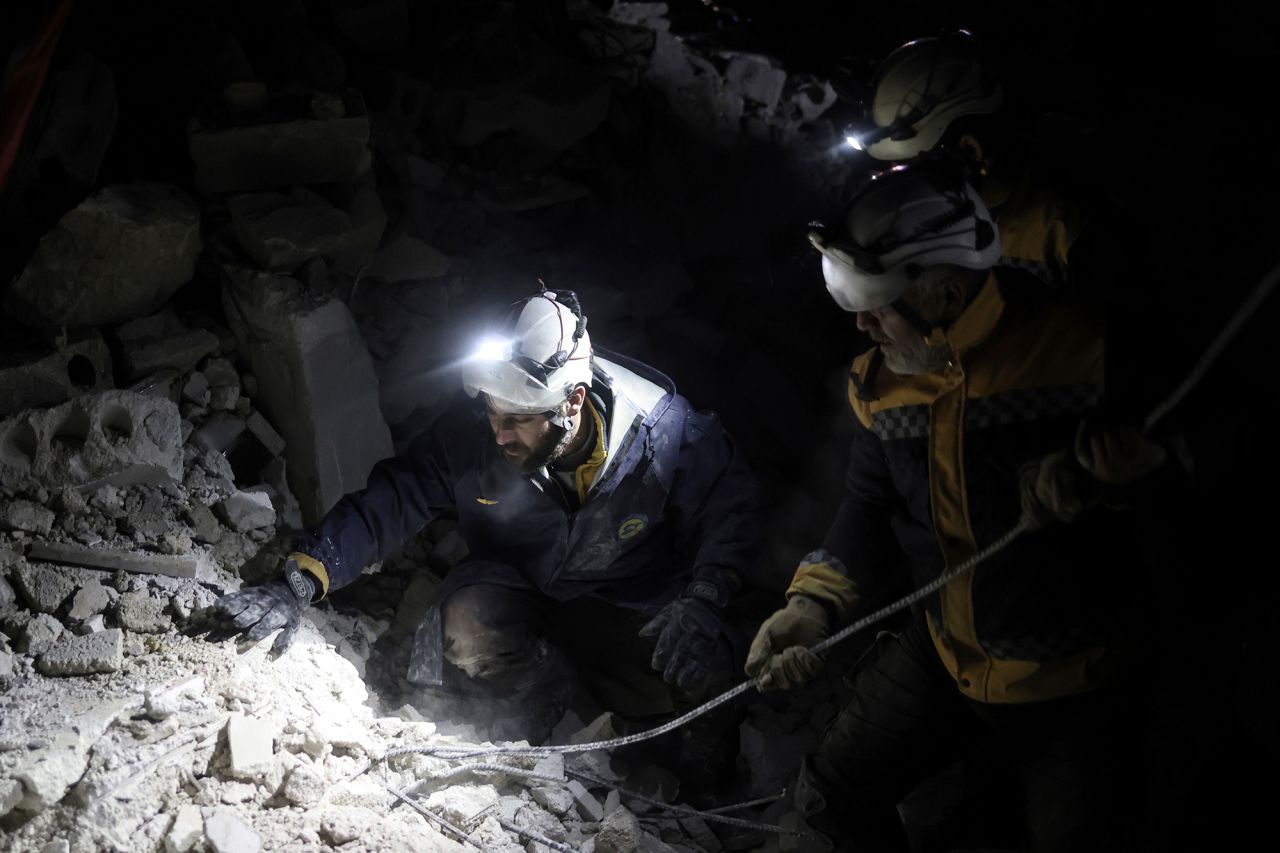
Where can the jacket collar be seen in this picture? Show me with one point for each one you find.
(978, 320)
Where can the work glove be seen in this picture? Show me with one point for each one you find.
(258, 610)
(1065, 483)
(688, 631)
(779, 658)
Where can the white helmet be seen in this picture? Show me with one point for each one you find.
(921, 88)
(544, 354)
(905, 220)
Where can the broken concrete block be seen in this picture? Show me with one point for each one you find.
(755, 78)
(7, 595)
(558, 105)
(10, 794)
(588, 806)
(558, 801)
(218, 433)
(186, 832)
(164, 703)
(265, 433)
(461, 803)
(174, 566)
(305, 787)
(19, 514)
(139, 612)
(316, 385)
(161, 342)
(619, 832)
(341, 824)
(551, 766)
(43, 588)
(51, 770)
(282, 231)
(227, 833)
(250, 742)
(120, 254)
(406, 258)
(90, 600)
(245, 511)
(41, 633)
(196, 389)
(282, 154)
(7, 668)
(116, 437)
(43, 378)
(99, 652)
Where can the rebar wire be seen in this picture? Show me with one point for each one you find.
(435, 818)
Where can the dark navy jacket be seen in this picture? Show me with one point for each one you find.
(672, 502)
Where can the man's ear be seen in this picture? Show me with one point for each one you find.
(952, 291)
(972, 151)
(577, 400)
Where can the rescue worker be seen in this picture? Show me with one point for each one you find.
(938, 98)
(609, 525)
(973, 406)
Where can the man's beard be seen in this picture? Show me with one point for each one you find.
(927, 359)
(548, 449)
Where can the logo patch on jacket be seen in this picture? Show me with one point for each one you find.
(485, 501)
(632, 525)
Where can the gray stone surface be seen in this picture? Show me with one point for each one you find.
(174, 566)
(90, 600)
(558, 801)
(49, 771)
(204, 526)
(227, 833)
(75, 367)
(316, 384)
(143, 614)
(99, 652)
(43, 588)
(7, 594)
(281, 231)
(619, 832)
(160, 342)
(20, 514)
(304, 787)
(116, 437)
(245, 511)
(120, 254)
(588, 806)
(40, 634)
(282, 154)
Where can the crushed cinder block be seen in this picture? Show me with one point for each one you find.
(43, 588)
(186, 832)
(588, 806)
(119, 254)
(227, 833)
(41, 633)
(115, 437)
(250, 744)
(139, 612)
(44, 378)
(174, 566)
(281, 154)
(102, 651)
(28, 516)
(162, 342)
(247, 510)
(316, 385)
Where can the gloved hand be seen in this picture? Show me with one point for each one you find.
(779, 655)
(1064, 484)
(258, 610)
(688, 631)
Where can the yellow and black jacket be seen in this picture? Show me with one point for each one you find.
(933, 477)
(1038, 229)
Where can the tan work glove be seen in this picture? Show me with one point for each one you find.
(779, 657)
(1060, 488)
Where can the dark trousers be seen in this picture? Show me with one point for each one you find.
(907, 720)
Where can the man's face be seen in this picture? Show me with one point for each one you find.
(904, 347)
(528, 442)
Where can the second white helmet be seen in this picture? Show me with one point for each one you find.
(905, 220)
(534, 364)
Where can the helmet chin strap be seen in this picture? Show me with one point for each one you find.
(934, 335)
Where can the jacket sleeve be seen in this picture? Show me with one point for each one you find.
(860, 548)
(719, 504)
(403, 493)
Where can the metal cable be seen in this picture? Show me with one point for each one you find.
(432, 816)
(534, 836)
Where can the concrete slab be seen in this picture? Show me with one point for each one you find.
(174, 566)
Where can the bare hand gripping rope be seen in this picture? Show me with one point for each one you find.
(1255, 299)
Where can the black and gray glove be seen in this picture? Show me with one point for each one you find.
(257, 611)
(688, 631)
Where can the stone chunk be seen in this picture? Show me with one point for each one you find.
(245, 511)
(341, 824)
(116, 437)
(44, 589)
(280, 155)
(120, 254)
(186, 832)
(10, 794)
(143, 614)
(218, 433)
(7, 595)
(90, 600)
(619, 833)
(227, 833)
(588, 806)
(282, 231)
(461, 803)
(304, 787)
(250, 742)
(161, 342)
(51, 770)
(40, 634)
(99, 652)
(265, 433)
(19, 514)
(558, 801)
(104, 558)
